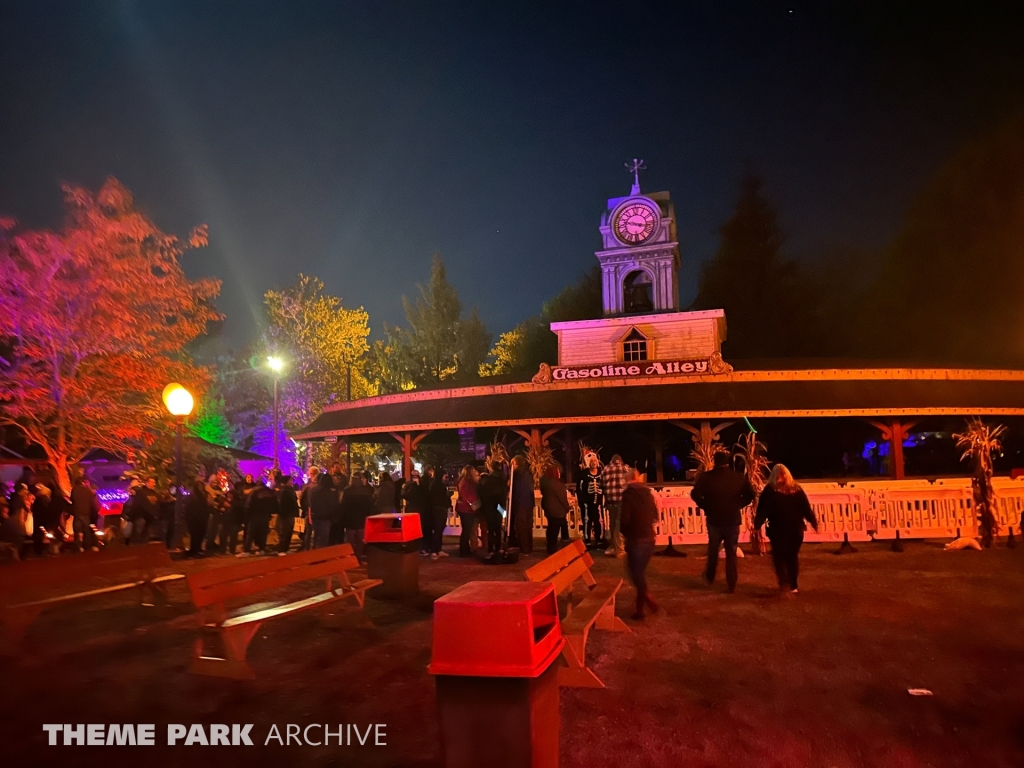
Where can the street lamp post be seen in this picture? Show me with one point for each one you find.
(276, 365)
(179, 403)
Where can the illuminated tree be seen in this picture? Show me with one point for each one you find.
(323, 344)
(93, 321)
(505, 354)
(209, 422)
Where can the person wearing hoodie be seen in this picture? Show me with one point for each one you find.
(440, 505)
(554, 499)
(522, 505)
(639, 516)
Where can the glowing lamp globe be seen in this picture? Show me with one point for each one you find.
(178, 400)
(276, 364)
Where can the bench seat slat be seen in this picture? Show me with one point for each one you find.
(552, 564)
(565, 578)
(232, 586)
(264, 565)
(585, 614)
(22, 581)
(282, 610)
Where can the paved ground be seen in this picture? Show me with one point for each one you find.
(715, 680)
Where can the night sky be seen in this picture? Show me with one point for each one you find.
(352, 140)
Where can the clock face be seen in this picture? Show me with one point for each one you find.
(635, 223)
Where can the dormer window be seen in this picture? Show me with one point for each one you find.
(634, 346)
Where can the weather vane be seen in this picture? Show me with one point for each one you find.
(635, 167)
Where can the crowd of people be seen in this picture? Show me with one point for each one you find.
(496, 508)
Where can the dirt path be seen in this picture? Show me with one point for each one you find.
(714, 680)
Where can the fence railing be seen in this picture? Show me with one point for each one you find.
(860, 509)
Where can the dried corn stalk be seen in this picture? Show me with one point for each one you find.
(979, 442)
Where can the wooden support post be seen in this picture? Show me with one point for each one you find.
(895, 431)
(569, 452)
(659, 458)
(409, 444)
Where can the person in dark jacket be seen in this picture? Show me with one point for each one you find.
(554, 500)
(46, 511)
(288, 510)
(85, 508)
(307, 536)
(522, 505)
(385, 497)
(417, 502)
(323, 508)
(440, 505)
(197, 518)
(357, 504)
(722, 493)
(784, 506)
(145, 511)
(493, 491)
(262, 506)
(639, 515)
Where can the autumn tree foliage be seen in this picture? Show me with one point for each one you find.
(93, 320)
(323, 344)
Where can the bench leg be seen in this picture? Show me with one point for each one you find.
(607, 620)
(336, 619)
(157, 594)
(16, 621)
(576, 674)
(235, 641)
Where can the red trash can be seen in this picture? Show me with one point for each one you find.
(393, 543)
(494, 654)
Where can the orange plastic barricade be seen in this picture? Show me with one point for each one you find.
(392, 529)
(494, 658)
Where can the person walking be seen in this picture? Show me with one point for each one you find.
(356, 505)
(323, 504)
(614, 480)
(440, 505)
(288, 510)
(522, 504)
(554, 500)
(197, 518)
(722, 493)
(589, 494)
(639, 515)
(468, 505)
(784, 506)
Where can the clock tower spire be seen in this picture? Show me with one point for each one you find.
(635, 167)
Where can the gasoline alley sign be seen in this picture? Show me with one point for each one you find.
(632, 370)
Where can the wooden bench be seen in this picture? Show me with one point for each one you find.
(213, 588)
(29, 587)
(563, 569)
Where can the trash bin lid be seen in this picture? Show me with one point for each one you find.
(396, 528)
(496, 629)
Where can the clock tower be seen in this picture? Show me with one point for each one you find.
(642, 322)
(640, 255)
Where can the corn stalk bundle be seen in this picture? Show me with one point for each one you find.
(539, 458)
(979, 442)
(752, 456)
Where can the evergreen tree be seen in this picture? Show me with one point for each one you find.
(439, 344)
(951, 280)
(769, 303)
